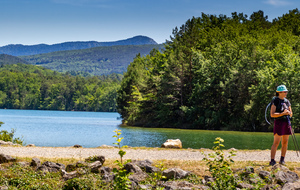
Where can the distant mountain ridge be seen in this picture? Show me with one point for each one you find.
(96, 61)
(21, 50)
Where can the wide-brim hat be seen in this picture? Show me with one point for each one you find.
(281, 88)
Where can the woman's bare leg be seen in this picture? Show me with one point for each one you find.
(284, 143)
(276, 142)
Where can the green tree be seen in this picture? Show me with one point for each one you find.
(216, 72)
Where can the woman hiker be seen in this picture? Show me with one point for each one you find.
(281, 110)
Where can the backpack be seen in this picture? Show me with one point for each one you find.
(268, 109)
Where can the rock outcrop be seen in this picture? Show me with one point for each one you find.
(6, 158)
(175, 173)
(8, 143)
(51, 167)
(35, 162)
(77, 146)
(171, 143)
(137, 175)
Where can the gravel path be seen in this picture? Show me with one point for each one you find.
(138, 153)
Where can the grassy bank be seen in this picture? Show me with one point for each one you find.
(15, 176)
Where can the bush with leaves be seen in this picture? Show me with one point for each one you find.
(157, 176)
(121, 176)
(9, 136)
(219, 167)
(88, 181)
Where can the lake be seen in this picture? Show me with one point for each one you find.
(93, 129)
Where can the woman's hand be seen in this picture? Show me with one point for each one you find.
(276, 114)
(286, 112)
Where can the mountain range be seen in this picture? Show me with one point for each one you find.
(95, 61)
(19, 49)
(95, 58)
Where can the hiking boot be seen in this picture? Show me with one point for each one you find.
(272, 163)
(282, 162)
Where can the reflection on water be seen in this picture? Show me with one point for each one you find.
(142, 137)
(154, 137)
(93, 129)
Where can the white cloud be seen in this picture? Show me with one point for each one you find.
(277, 2)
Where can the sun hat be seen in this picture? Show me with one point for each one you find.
(281, 88)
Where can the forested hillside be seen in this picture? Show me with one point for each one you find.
(9, 59)
(32, 87)
(19, 49)
(217, 72)
(95, 61)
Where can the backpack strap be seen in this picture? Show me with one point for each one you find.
(266, 113)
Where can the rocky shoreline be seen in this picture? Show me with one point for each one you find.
(279, 177)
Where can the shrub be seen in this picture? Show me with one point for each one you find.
(9, 137)
(121, 176)
(219, 167)
(78, 183)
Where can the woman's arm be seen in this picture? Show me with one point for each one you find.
(276, 114)
(291, 112)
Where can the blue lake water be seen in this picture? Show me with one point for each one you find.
(61, 128)
(93, 129)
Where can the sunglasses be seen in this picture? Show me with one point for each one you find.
(284, 92)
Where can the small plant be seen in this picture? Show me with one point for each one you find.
(78, 183)
(219, 167)
(257, 182)
(157, 176)
(9, 137)
(118, 143)
(121, 176)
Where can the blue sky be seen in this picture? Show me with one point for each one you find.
(54, 21)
